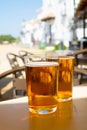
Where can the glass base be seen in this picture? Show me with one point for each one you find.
(64, 99)
(45, 110)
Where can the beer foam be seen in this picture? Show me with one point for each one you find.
(39, 64)
(66, 57)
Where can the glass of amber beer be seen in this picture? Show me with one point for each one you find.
(42, 83)
(65, 79)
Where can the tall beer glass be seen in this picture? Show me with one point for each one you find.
(65, 77)
(42, 83)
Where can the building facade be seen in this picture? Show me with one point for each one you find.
(53, 23)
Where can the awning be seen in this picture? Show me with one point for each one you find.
(48, 16)
(81, 9)
(81, 13)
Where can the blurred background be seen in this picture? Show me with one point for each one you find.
(44, 23)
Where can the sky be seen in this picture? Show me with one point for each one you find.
(13, 12)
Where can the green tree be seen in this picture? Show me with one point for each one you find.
(7, 38)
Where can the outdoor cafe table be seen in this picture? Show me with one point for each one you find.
(70, 115)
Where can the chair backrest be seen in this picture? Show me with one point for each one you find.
(31, 56)
(15, 61)
(81, 57)
(81, 65)
(23, 54)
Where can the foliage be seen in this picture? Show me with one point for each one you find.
(58, 47)
(42, 45)
(17, 39)
(7, 38)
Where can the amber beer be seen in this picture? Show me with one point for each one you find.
(66, 72)
(65, 78)
(41, 79)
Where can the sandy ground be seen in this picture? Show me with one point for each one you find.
(4, 49)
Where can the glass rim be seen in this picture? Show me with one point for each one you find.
(66, 57)
(60, 57)
(41, 63)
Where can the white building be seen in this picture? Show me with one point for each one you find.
(35, 30)
(31, 32)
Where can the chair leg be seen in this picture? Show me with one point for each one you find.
(80, 76)
(14, 89)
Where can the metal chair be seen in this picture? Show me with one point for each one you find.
(31, 56)
(23, 54)
(81, 63)
(18, 84)
(15, 61)
(18, 76)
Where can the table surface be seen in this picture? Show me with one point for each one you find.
(70, 115)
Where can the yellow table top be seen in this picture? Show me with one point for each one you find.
(71, 115)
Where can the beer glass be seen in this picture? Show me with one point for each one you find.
(65, 77)
(42, 83)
